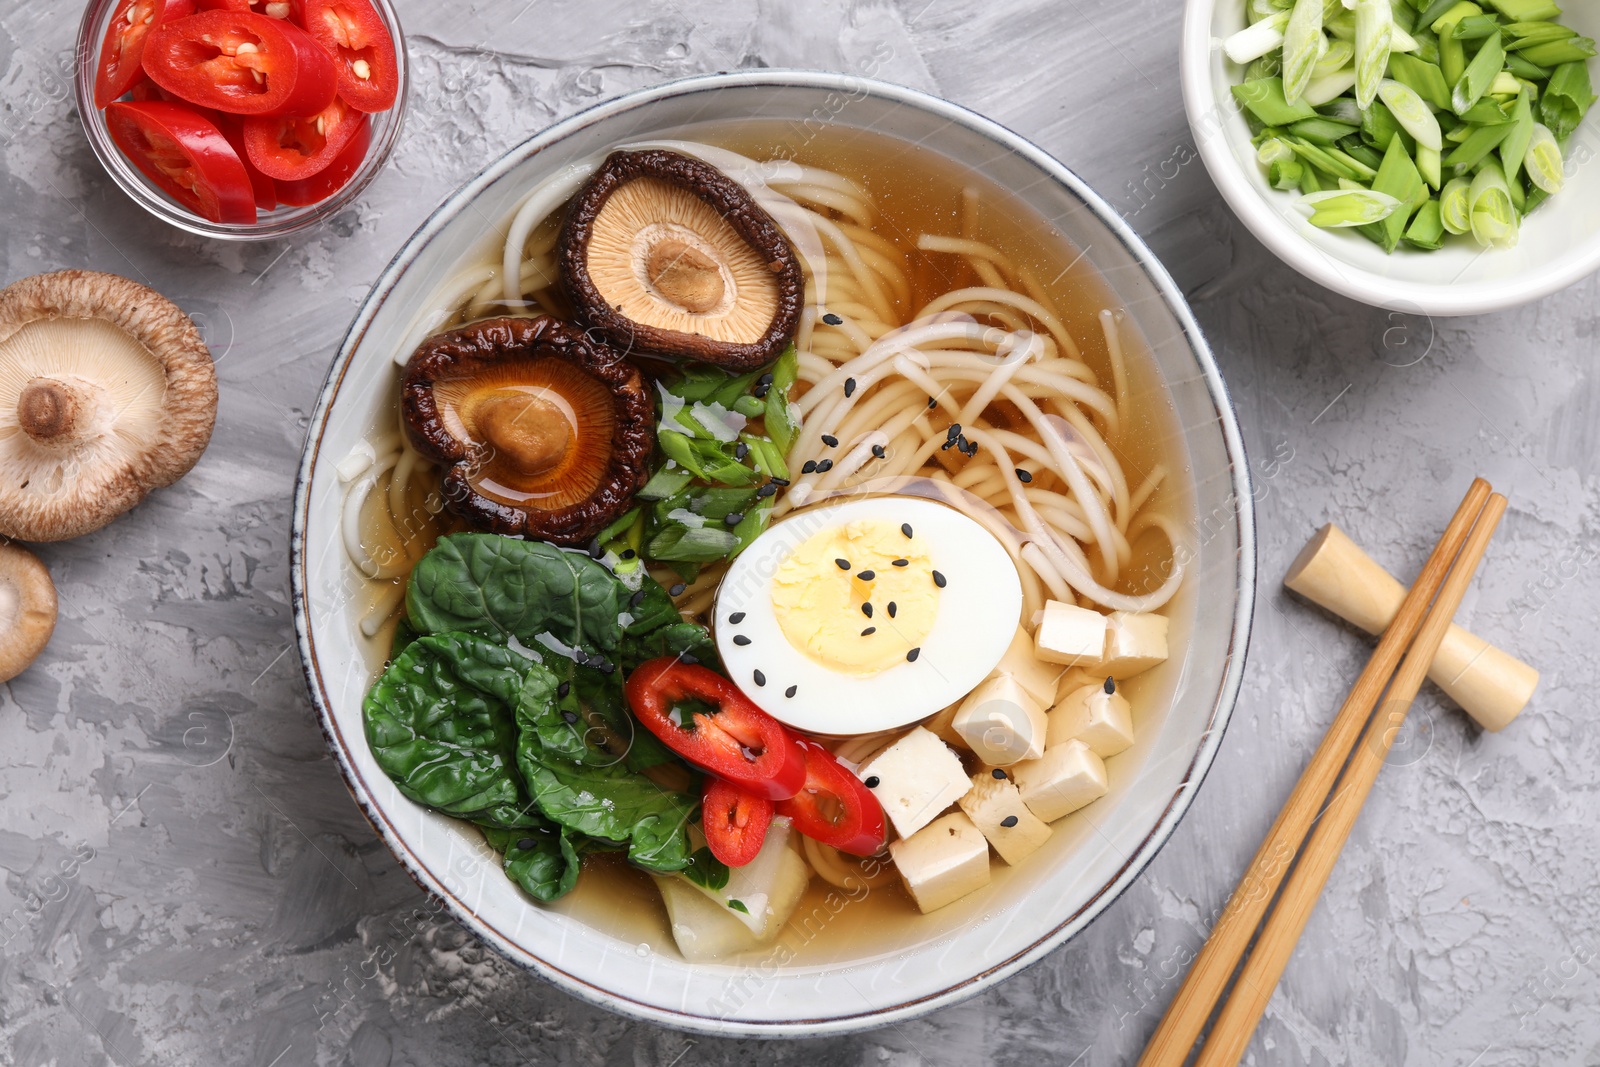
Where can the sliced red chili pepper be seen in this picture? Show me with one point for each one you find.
(144, 89)
(735, 820)
(369, 77)
(120, 55)
(241, 62)
(704, 718)
(266, 189)
(333, 177)
(833, 807)
(186, 156)
(291, 149)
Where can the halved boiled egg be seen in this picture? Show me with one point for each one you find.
(864, 616)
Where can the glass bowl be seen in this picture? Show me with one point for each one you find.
(835, 985)
(280, 221)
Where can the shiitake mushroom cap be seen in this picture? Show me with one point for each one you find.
(667, 255)
(543, 431)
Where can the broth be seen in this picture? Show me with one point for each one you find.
(916, 191)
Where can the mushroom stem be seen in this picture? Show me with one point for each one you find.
(529, 431)
(685, 275)
(48, 411)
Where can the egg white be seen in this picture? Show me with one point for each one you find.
(977, 617)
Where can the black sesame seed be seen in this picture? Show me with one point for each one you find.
(953, 432)
(905, 528)
(872, 781)
(740, 451)
(972, 449)
(869, 631)
(760, 392)
(780, 481)
(606, 667)
(830, 440)
(938, 579)
(677, 590)
(1024, 476)
(595, 551)
(1111, 686)
(688, 657)
(636, 599)
(911, 657)
(892, 609)
(765, 379)
(849, 386)
(791, 691)
(901, 563)
(733, 518)
(932, 403)
(832, 320)
(562, 690)
(948, 445)
(1009, 821)
(867, 576)
(866, 609)
(569, 717)
(879, 451)
(843, 564)
(628, 553)
(810, 467)
(998, 773)
(824, 466)
(766, 491)
(760, 678)
(527, 844)
(741, 640)
(736, 618)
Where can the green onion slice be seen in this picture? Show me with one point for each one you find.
(1494, 218)
(1543, 159)
(1412, 113)
(1339, 208)
(1455, 209)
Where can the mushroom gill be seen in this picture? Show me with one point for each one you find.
(106, 392)
(668, 255)
(543, 431)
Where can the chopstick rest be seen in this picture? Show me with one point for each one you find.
(1334, 573)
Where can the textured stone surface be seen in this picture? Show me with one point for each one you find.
(184, 879)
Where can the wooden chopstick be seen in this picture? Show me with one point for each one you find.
(1242, 1011)
(1174, 1038)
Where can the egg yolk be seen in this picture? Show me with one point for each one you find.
(856, 598)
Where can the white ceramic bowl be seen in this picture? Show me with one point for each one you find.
(1560, 241)
(961, 949)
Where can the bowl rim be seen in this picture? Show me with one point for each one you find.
(1227, 692)
(1445, 299)
(126, 177)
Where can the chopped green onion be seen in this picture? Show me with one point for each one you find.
(1494, 218)
(1342, 110)
(1515, 146)
(1505, 84)
(1339, 55)
(1543, 160)
(1572, 50)
(1339, 208)
(1455, 209)
(1264, 98)
(1426, 230)
(783, 418)
(1434, 12)
(1482, 141)
(1430, 165)
(1475, 80)
(1567, 97)
(1303, 45)
(1423, 78)
(1412, 113)
(1452, 53)
(1475, 28)
(1521, 35)
(1374, 41)
(1257, 39)
(1323, 90)
(1525, 10)
(1397, 177)
(1273, 150)
(1321, 131)
(664, 483)
(1523, 69)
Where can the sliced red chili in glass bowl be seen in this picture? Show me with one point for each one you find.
(291, 149)
(266, 189)
(242, 63)
(735, 821)
(120, 56)
(352, 31)
(833, 807)
(704, 718)
(186, 156)
(333, 177)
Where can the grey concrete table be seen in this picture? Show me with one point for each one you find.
(186, 881)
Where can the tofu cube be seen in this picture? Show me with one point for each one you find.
(1061, 781)
(1001, 722)
(942, 726)
(1069, 635)
(1135, 642)
(996, 809)
(915, 779)
(942, 862)
(1074, 680)
(1099, 719)
(1035, 675)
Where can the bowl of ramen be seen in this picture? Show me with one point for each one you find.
(765, 574)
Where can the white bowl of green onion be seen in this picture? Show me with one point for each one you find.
(1428, 156)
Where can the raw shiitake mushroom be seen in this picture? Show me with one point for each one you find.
(668, 255)
(106, 392)
(542, 430)
(27, 609)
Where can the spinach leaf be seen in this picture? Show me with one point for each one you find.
(595, 795)
(440, 723)
(706, 870)
(543, 862)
